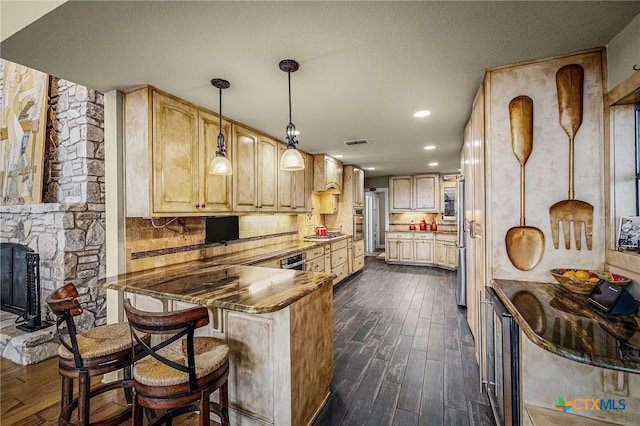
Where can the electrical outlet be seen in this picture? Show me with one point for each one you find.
(309, 219)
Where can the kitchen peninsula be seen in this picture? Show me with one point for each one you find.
(278, 324)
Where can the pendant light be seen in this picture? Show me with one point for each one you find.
(291, 159)
(220, 165)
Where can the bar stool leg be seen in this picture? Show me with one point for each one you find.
(84, 384)
(205, 411)
(128, 390)
(224, 404)
(66, 393)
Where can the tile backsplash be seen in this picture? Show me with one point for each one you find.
(160, 242)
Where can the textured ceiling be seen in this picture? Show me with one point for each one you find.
(365, 67)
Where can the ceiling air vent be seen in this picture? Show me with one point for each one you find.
(356, 142)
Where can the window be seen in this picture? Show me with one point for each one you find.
(637, 115)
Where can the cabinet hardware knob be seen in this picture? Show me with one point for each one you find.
(197, 206)
(203, 206)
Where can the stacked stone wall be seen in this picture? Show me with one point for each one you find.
(68, 228)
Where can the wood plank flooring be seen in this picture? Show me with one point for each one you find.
(403, 352)
(403, 356)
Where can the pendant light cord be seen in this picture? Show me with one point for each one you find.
(289, 74)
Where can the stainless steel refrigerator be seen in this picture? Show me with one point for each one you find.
(462, 250)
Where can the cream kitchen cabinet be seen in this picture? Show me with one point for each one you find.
(327, 174)
(409, 248)
(423, 248)
(339, 264)
(328, 203)
(294, 188)
(255, 171)
(358, 256)
(168, 146)
(315, 260)
(358, 188)
(399, 247)
(414, 193)
(445, 251)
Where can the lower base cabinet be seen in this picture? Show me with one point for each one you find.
(421, 248)
(280, 363)
(446, 253)
(339, 263)
(358, 256)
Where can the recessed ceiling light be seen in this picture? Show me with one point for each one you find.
(428, 147)
(338, 156)
(423, 113)
(371, 168)
(433, 164)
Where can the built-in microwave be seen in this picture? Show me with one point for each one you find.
(358, 224)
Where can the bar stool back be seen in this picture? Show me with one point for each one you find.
(181, 372)
(87, 354)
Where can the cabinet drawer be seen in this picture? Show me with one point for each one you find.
(358, 248)
(314, 252)
(451, 237)
(315, 265)
(341, 273)
(338, 257)
(423, 236)
(399, 235)
(337, 245)
(358, 263)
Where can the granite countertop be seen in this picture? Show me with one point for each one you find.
(240, 288)
(565, 324)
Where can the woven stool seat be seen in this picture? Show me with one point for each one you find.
(210, 354)
(100, 341)
(178, 374)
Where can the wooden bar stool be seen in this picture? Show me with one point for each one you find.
(181, 372)
(87, 354)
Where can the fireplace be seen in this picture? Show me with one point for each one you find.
(20, 285)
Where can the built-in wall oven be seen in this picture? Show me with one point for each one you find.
(501, 358)
(358, 224)
(293, 262)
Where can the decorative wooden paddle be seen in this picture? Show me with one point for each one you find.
(525, 244)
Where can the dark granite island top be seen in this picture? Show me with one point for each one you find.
(247, 289)
(565, 324)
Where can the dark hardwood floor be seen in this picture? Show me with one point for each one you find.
(402, 348)
(403, 352)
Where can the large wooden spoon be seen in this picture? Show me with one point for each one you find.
(525, 244)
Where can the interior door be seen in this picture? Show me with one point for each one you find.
(372, 221)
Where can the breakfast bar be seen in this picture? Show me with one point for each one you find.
(278, 324)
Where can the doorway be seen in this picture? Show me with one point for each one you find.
(376, 221)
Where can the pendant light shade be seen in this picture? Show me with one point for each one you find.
(220, 165)
(291, 159)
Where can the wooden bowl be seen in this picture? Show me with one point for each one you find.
(584, 286)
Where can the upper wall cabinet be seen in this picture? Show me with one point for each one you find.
(168, 144)
(414, 193)
(327, 174)
(294, 188)
(358, 187)
(255, 167)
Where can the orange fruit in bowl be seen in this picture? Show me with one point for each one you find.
(583, 275)
(569, 273)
